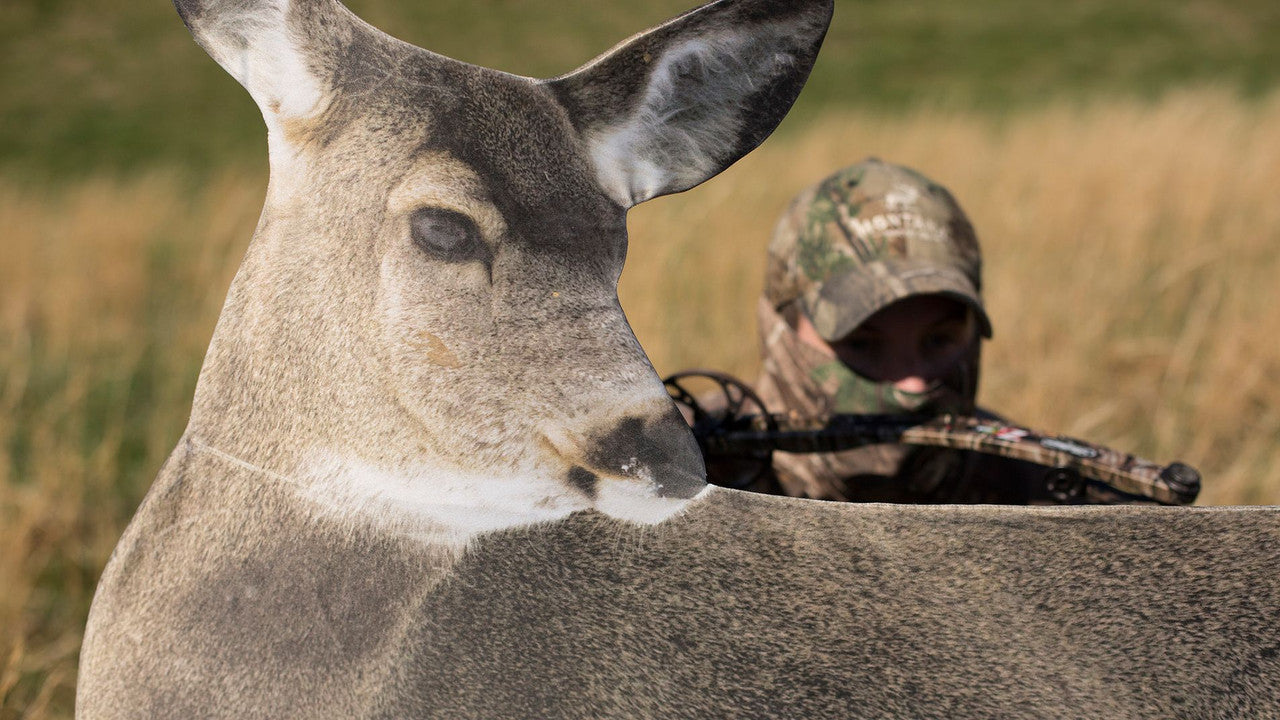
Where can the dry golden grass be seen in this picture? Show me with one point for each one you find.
(108, 292)
(1131, 257)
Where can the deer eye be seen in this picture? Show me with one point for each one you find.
(447, 235)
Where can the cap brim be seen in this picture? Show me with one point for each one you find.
(842, 303)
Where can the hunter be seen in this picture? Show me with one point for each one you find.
(873, 304)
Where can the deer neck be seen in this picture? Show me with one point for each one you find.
(280, 367)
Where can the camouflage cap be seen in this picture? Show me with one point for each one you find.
(866, 237)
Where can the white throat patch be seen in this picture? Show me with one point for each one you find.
(442, 504)
(452, 506)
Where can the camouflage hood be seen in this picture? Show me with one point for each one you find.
(858, 241)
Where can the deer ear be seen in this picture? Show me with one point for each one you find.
(268, 47)
(674, 106)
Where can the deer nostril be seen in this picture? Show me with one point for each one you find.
(660, 449)
(586, 481)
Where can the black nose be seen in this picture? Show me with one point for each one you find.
(661, 447)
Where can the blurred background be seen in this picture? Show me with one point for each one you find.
(1119, 158)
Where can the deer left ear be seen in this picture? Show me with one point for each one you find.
(272, 47)
(673, 107)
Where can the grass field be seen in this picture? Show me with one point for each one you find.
(90, 85)
(1132, 251)
(1119, 159)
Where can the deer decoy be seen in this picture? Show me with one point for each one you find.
(429, 471)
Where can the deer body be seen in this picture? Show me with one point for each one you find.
(744, 605)
(430, 473)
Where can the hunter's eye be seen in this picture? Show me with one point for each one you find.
(447, 235)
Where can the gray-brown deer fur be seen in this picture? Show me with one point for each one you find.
(429, 471)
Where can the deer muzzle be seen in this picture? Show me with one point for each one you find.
(656, 449)
(641, 466)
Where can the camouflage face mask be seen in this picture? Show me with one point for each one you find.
(854, 393)
(796, 377)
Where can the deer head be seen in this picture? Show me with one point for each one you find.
(425, 328)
